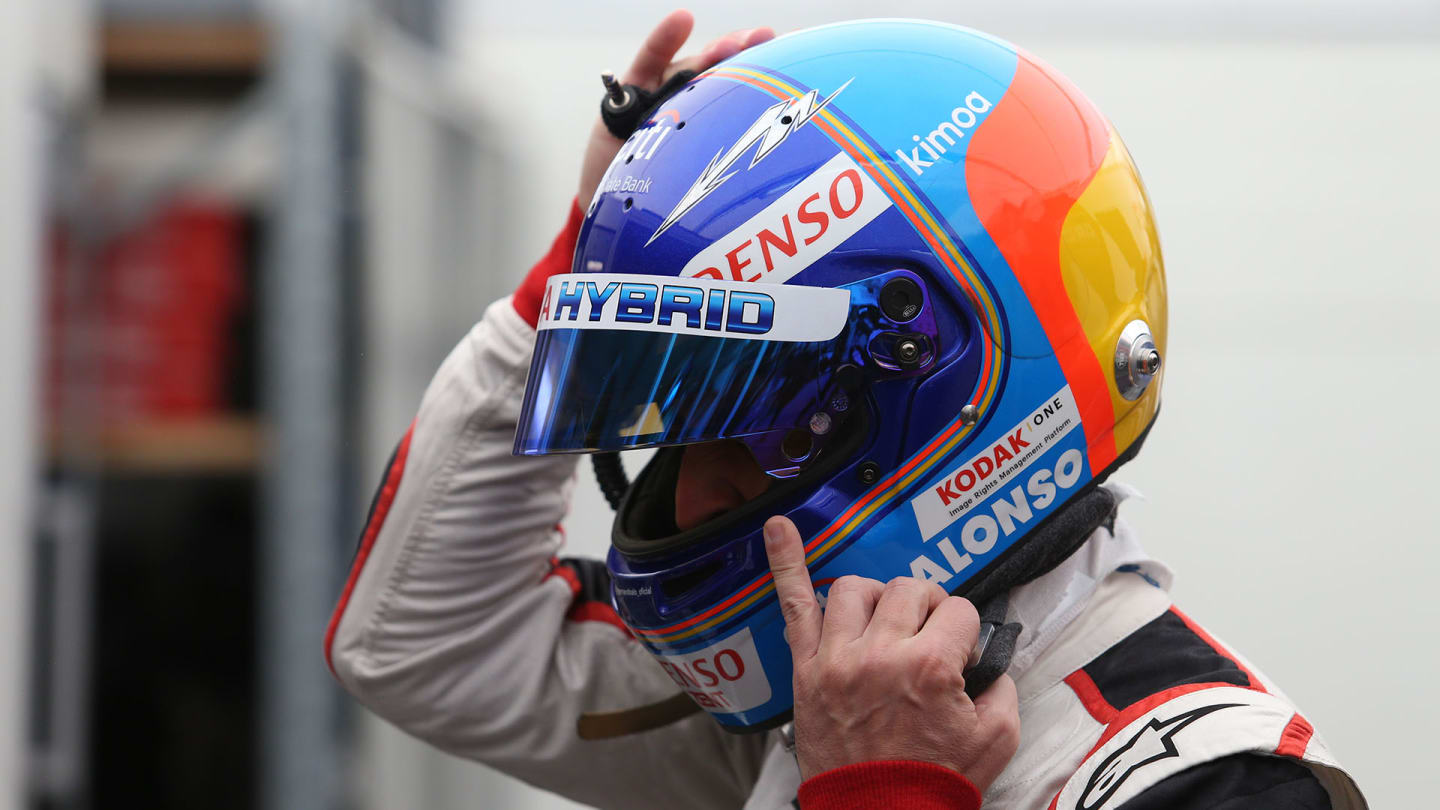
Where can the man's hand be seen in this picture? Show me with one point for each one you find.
(878, 673)
(652, 66)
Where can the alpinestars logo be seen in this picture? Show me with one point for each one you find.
(770, 130)
(1151, 744)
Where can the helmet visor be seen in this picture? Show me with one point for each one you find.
(624, 361)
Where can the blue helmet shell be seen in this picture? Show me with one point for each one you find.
(845, 157)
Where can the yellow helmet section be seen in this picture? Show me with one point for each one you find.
(1114, 273)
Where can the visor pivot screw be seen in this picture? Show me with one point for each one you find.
(614, 91)
(869, 473)
(969, 415)
(1148, 362)
(908, 351)
(840, 402)
(820, 423)
(1137, 360)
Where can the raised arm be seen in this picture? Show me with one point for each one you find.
(459, 624)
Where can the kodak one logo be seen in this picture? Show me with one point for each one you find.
(945, 135)
(949, 497)
(982, 467)
(805, 223)
(1007, 514)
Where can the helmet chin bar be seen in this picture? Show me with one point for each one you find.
(892, 335)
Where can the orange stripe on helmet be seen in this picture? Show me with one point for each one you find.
(1029, 162)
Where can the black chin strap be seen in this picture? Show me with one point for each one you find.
(996, 646)
(1056, 538)
(610, 474)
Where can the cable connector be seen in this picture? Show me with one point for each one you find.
(627, 106)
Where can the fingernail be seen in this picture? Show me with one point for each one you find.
(771, 532)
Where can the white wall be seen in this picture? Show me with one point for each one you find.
(1289, 474)
(19, 241)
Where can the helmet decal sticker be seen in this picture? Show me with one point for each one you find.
(703, 306)
(804, 224)
(960, 490)
(949, 130)
(633, 156)
(727, 676)
(770, 130)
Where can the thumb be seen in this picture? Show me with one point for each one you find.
(792, 587)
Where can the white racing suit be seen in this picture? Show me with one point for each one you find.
(459, 625)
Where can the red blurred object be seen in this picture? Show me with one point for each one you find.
(150, 335)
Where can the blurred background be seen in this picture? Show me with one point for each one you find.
(237, 236)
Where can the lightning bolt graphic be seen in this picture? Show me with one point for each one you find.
(769, 131)
(1152, 743)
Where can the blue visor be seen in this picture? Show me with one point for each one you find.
(600, 390)
(627, 361)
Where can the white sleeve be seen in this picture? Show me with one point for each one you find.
(453, 628)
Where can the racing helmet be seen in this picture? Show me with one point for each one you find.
(911, 267)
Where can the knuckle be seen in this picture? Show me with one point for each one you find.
(796, 605)
(870, 670)
(832, 680)
(934, 669)
(1012, 724)
(964, 610)
(903, 586)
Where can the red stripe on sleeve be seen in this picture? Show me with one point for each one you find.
(565, 572)
(1094, 702)
(583, 609)
(889, 785)
(1137, 710)
(367, 540)
(1143, 707)
(1295, 738)
(597, 612)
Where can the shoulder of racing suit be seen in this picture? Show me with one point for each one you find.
(1185, 723)
(1133, 705)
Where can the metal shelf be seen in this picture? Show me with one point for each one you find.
(184, 47)
(218, 444)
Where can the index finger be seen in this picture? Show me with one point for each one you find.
(792, 587)
(660, 47)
